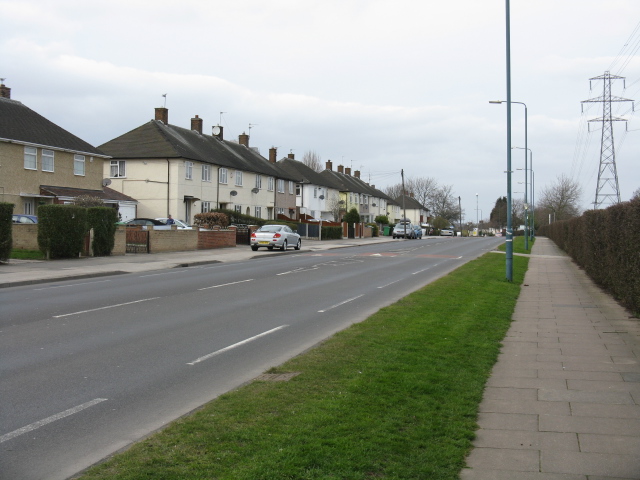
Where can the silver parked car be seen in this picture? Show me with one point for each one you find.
(403, 230)
(271, 236)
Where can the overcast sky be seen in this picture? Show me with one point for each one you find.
(379, 86)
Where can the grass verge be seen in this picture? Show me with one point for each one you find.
(518, 245)
(393, 397)
(27, 254)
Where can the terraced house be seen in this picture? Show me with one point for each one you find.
(183, 171)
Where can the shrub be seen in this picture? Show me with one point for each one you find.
(61, 230)
(352, 216)
(374, 228)
(211, 219)
(6, 224)
(382, 220)
(332, 233)
(103, 222)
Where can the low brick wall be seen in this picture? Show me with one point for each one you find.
(25, 236)
(208, 239)
(120, 244)
(172, 240)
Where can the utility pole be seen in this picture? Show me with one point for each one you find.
(403, 205)
(607, 190)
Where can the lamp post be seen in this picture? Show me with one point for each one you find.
(525, 190)
(460, 211)
(477, 225)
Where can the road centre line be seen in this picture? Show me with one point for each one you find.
(163, 273)
(52, 418)
(73, 285)
(104, 308)
(235, 345)
(341, 303)
(383, 286)
(226, 284)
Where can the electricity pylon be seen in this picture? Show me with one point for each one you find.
(608, 190)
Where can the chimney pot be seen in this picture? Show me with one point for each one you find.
(340, 168)
(162, 114)
(291, 156)
(196, 124)
(329, 165)
(273, 154)
(356, 174)
(216, 131)
(5, 92)
(347, 171)
(243, 139)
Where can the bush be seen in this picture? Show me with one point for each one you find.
(103, 222)
(352, 216)
(6, 224)
(241, 219)
(374, 228)
(211, 219)
(382, 220)
(61, 230)
(332, 233)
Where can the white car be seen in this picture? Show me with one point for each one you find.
(271, 236)
(179, 223)
(447, 232)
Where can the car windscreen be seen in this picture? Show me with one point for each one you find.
(269, 229)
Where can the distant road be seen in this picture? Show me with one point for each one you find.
(90, 366)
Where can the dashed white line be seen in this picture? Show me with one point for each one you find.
(163, 273)
(104, 308)
(226, 284)
(73, 285)
(341, 303)
(383, 286)
(52, 418)
(235, 345)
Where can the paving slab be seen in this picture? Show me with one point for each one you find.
(563, 400)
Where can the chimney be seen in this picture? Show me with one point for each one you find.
(291, 156)
(356, 174)
(5, 92)
(329, 165)
(347, 171)
(196, 124)
(162, 114)
(273, 154)
(243, 139)
(216, 131)
(340, 169)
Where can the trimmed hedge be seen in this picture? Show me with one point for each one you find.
(61, 230)
(605, 244)
(103, 222)
(332, 233)
(6, 236)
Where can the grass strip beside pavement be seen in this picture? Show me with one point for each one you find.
(26, 254)
(518, 245)
(393, 397)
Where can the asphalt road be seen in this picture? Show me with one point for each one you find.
(90, 366)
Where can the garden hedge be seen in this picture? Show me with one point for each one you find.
(6, 236)
(103, 222)
(61, 230)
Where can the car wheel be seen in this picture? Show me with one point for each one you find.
(298, 245)
(284, 246)
(254, 248)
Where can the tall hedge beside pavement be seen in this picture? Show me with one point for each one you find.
(103, 222)
(6, 238)
(61, 230)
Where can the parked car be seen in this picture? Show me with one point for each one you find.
(418, 231)
(19, 218)
(181, 224)
(271, 236)
(447, 232)
(403, 230)
(142, 221)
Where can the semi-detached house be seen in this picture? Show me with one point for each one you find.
(182, 172)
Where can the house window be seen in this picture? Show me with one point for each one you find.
(298, 189)
(270, 184)
(290, 187)
(222, 175)
(28, 207)
(258, 181)
(238, 178)
(315, 192)
(280, 186)
(206, 173)
(31, 158)
(78, 164)
(205, 207)
(188, 167)
(117, 169)
(238, 208)
(258, 212)
(47, 160)
(280, 211)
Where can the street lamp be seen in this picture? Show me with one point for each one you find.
(525, 186)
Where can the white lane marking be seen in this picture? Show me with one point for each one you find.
(341, 303)
(163, 273)
(218, 352)
(74, 285)
(104, 308)
(52, 418)
(226, 284)
(383, 286)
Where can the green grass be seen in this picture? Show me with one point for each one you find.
(27, 254)
(518, 245)
(393, 397)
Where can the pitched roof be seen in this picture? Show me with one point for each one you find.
(21, 124)
(303, 173)
(410, 203)
(155, 139)
(106, 193)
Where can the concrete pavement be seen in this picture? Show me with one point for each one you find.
(563, 400)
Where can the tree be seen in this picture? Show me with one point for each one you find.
(335, 206)
(444, 204)
(439, 200)
(498, 217)
(561, 198)
(88, 201)
(312, 160)
(636, 194)
(352, 216)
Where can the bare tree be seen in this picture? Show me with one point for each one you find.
(335, 207)
(443, 204)
(312, 160)
(88, 201)
(561, 198)
(636, 194)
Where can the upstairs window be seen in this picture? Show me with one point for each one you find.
(188, 170)
(238, 178)
(47, 160)
(222, 175)
(117, 169)
(78, 165)
(270, 184)
(280, 186)
(206, 173)
(31, 158)
(291, 187)
(258, 181)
